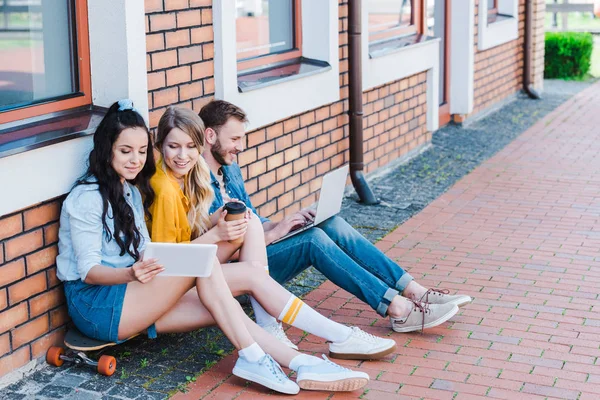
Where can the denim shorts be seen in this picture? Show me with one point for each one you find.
(96, 309)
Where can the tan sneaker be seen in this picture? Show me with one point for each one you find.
(442, 296)
(423, 316)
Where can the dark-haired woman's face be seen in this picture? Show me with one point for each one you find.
(129, 153)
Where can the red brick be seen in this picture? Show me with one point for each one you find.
(274, 131)
(202, 34)
(166, 97)
(155, 42)
(209, 86)
(178, 38)
(41, 345)
(178, 75)
(200, 3)
(12, 272)
(202, 70)
(15, 360)
(156, 80)
(190, 54)
(3, 299)
(207, 16)
(12, 317)
(153, 6)
(23, 244)
(41, 259)
(164, 59)
(46, 301)
(29, 331)
(59, 317)
(162, 22)
(11, 226)
(171, 5)
(4, 344)
(189, 18)
(26, 288)
(190, 91)
(208, 51)
(52, 278)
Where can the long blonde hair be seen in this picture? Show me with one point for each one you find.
(197, 183)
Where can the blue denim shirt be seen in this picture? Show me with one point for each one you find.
(82, 242)
(234, 186)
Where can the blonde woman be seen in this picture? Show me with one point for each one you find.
(184, 194)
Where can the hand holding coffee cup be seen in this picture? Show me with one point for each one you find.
(235, 211)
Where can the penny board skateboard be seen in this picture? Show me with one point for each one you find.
(77, 345)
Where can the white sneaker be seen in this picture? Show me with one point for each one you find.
(361, 346)
(276, 329)
(265, 372)
(330, 377)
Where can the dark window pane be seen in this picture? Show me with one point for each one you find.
(36, 51)
(386, 15)
(264, 27)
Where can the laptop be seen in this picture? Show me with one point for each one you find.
(330, 200)
(183, 259)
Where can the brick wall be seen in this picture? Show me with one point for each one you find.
(498, 71)
(32, 311)
(282, 160)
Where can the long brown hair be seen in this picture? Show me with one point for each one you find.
(197, 183)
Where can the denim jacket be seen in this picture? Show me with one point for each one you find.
(82, 240)
(234, 186)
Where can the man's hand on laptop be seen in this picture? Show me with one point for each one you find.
(294, 221)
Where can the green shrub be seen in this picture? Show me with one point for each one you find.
(568, 54)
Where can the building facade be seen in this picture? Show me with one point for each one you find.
(423, 63)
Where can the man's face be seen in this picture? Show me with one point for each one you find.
(229, 142)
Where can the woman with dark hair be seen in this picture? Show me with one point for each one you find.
(112, 292)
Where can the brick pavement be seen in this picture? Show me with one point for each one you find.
(521, 235)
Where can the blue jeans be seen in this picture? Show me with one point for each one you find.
(345, 257)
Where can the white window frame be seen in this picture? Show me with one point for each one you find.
(118, 68)
(403, 63)
(503, 31)
(288, 97)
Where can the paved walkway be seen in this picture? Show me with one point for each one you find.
(521, 235)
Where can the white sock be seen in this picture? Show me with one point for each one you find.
(263, 318)
(298, 314)
(252, 353)
(303, 359)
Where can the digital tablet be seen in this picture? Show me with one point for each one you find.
(183, 259)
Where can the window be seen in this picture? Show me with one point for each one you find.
(390, 19)
(267, 32)
(492, 6)
(45, 57)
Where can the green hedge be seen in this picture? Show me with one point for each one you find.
(568, 54)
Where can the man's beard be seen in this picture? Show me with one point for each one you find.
(218, 153)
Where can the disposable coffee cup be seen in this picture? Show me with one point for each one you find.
(235, 211)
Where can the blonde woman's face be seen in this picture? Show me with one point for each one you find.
(180, 153)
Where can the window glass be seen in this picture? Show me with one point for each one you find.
(36, 51)
(491, 4)
(388, 15)
(264, 27)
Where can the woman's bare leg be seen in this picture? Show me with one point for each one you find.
(253, 247)
(146, 303)
(190, 314)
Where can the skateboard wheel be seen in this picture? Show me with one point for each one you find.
(53, 356)
(107, 365)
